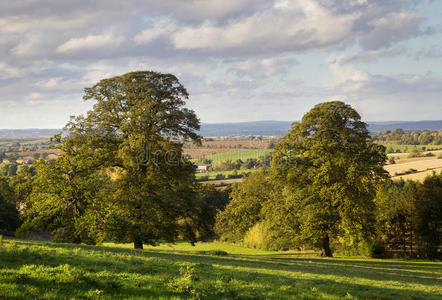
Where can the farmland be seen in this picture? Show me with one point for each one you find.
(419, 166)
(238, 154)
(31, 269)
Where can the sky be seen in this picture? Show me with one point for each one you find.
(240, 60)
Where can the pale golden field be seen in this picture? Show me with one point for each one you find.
(424, 165)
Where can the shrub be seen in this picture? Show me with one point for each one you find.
(391, 160)
(411, 171)
(415, 153)
(220, 176)
(214, 252)
(256, 237)
(377, 249)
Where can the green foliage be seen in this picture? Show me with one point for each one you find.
(9, 220)
(377, 249)
(409, 216)
(68, 197)
(391, 160)
(328, 173)
(135, 128)
(212, 201)
(244, 209)
(429, 217)
(256, 237)
(399, 136)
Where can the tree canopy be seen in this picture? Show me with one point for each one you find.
(134, 136)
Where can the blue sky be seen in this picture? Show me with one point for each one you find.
(240, 60)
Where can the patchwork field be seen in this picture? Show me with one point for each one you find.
(238, 154)
(423, 166)
(42, 270)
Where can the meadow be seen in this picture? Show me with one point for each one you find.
(45, 270)
(237, 154)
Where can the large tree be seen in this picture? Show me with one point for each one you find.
(136, 129)
(328, 170)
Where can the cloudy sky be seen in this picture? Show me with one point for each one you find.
(240, 60)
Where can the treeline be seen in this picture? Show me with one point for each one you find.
(250, 163)
(405, 220)
(401, 137)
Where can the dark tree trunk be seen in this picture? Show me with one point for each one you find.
(138, 243)
(326, 251)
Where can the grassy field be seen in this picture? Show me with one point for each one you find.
(42, 270)
(212, 175)
(237, 154)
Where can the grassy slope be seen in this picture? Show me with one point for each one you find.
(47, 270)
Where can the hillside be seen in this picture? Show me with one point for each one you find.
(42, 270)
(264, 128)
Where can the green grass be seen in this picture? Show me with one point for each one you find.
(42, 270)
(212, 174)
(235, 155)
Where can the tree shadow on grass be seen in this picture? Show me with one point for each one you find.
(256, 272)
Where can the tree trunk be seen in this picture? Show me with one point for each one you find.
(326, 247)
(138, 243)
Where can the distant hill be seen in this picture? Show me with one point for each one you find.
(264, 128)
(405, 125)
(278, 128)
(27, 133)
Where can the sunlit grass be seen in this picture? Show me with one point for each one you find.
(33, 270)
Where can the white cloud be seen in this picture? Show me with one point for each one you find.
(287, 26)
(7, 71)
(49, 83)
(366, 56)
(90, 42)
(151, 34)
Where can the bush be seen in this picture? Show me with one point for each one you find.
(415, 153)
(411, 171)
(214, 252)
(391, 160)
(429, 154)
(377, 249)
(256, 237)
(219, 176)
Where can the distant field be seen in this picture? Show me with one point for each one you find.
(212, 175)
(238, 154)
(200, 152)
(223, 146)
(409, 148)
(419, 176)
(41, 270)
